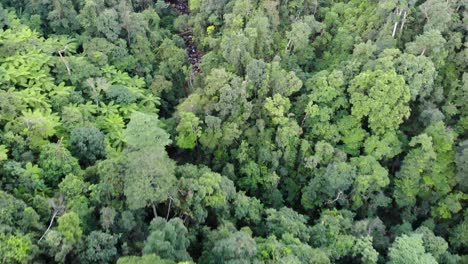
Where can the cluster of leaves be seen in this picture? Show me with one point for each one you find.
(313, 131)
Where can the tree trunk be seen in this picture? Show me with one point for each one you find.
(50, 224)
(154, 211)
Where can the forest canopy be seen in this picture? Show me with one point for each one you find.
(233, 131)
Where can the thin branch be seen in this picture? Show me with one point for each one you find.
(50, 224)
(403, 22)
(422, 53)
(154, 211)
(58, 205)
(394, 29)
(287, 46)
(340, 196)
(63, 59)
(169, 208)
(303, 120)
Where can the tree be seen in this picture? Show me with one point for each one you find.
(69, 227)
(99, 247)
(61, 239)
(428, 172)
(437, 14)
(168, 239)
(280, 81)
(409, 249)
(330, 186)
(462, 164)
(364, 248)
(459, 234)
(419, 74)
(173, 59)
(234, 48)
(332, 231)
(429, 44)
(260, 40)
(87, 144)
(277, 107)
(239, 247)
(382, 97)
(143, 131)
(133, 23)
(17, 216)
(3, 153)
(433, 244)
(201, 189)
(371, 179)
(145, 259)
(149, 173)
(300, 32)
(39, 125)
(72, 186)
(58, 246)
(247, 208)
(14, 248)
(289, 250)
(108, 25)
(188, 130)
(57, 162)
(287, 221)
(120, 94)
(62, 17)
(407, 183)
(323, 103)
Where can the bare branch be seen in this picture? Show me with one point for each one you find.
(169, 208)
(340, 196)
(63, 59)
(50, 225)
(422, 53)
(58, 207)
(403, 22)
(154, 211)
(394, 29)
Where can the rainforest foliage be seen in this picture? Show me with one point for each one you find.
(233, 131)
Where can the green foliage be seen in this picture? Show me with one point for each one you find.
(364, 248)
(143, 131)
(248, 131)
(188, 130)
(201, 188)
(72, 186)
(38, 126)
(369, 183)
(57, 162)
(69, 227)
(168, 239)
(145, 259)
(329, 186)
(332, 232)
(99, 247)
(237, 248)
(287, 221)
(14, 249)
(428, 172)
(382, 97)
(149, 173)
(3, 153)
(58, 246)
(87, 144)
(16, 215)
(409, 249)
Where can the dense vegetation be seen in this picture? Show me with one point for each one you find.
(233, 131)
